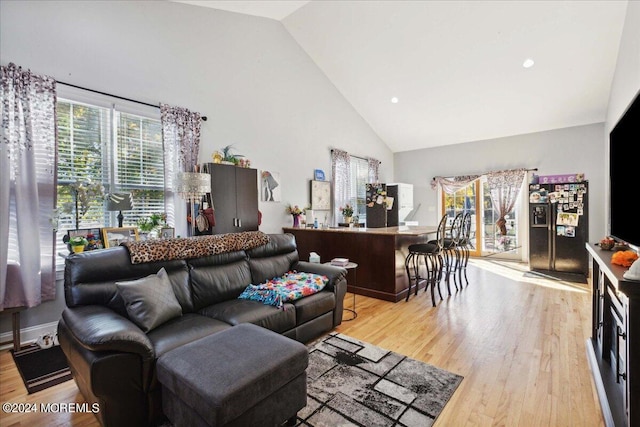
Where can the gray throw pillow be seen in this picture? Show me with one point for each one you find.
(150, 301)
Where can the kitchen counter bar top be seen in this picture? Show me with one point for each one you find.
(405, 230)
(379, 253)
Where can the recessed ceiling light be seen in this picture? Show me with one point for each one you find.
(528, 63)
(394, 100)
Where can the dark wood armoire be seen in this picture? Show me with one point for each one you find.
(234, 193)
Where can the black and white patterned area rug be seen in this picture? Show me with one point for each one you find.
(353, 383)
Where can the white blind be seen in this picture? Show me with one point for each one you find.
(83, 133)
(122, 151)
(359, 177)
(139, 166)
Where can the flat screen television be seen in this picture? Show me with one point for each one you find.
(624, 176)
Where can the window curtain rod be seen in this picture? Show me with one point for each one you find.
(204, 118)
(480, 174)
(358, 157)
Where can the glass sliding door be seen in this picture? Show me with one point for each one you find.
(487, 240)
(465, 200)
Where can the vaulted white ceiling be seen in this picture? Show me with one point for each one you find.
(456, 67)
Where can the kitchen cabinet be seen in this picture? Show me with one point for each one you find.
(612, 349)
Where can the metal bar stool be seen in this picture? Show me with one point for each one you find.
(432, 266)
(464, 247)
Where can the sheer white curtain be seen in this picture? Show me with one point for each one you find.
(374, 170)
(341, 173)
(504, 187)
(27, 188)
(181, 143)
(451, 185)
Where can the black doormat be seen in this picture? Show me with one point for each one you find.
(41, 368)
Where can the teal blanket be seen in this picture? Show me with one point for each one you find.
(289, 287)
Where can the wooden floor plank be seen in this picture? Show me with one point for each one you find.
(519, 342)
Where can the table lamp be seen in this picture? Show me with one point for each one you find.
(119, 202)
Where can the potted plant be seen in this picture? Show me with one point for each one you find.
(347, 212)
(78, 243)
(149, 224)
(228, 158)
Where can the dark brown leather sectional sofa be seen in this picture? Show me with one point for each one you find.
(113, 361)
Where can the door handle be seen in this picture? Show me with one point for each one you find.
(621, 334)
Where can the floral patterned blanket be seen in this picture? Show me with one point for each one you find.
(290, 287)
(193, 247)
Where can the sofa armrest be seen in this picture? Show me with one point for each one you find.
(337, 283)
(98, 328)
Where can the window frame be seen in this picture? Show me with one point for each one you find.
(117, 110)
(359, 174)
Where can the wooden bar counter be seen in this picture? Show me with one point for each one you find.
(379, 253)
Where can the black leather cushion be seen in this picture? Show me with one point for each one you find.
(182, 330)
(446, 242)
(218, 278)
(239, 311)
(90, 278)
(423, 248)
(150, 301)
(273, 259)
(313, 306)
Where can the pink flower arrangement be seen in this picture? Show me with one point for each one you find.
(294, 210)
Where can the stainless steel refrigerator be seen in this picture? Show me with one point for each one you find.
(559, 230)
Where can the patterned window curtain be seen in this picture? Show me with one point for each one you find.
(451, 185)
(181, 142)
(504, 187)
(341, 173)
(27, 188)
(374, 170)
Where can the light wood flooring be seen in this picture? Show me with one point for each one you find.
(519, 343)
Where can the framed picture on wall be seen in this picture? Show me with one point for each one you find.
(270, 186)
(320, 195)
(167, 233)
(93, 235)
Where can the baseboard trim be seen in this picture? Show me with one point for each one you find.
(27, 335)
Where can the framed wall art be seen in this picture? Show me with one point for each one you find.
(167, 233)
(93, 235)
(115, 235)
(320, 195)
(270, 186)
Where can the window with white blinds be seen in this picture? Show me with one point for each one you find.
(358, 191)
(139, 165)
(120, 150)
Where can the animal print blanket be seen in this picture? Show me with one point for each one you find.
(193, 247)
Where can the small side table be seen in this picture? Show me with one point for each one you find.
(350, 266)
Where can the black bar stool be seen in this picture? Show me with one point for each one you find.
(431, 253)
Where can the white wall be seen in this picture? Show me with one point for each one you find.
(562, 151)
(626, 82)
(258, 88)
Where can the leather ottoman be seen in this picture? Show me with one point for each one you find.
(242, 376)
